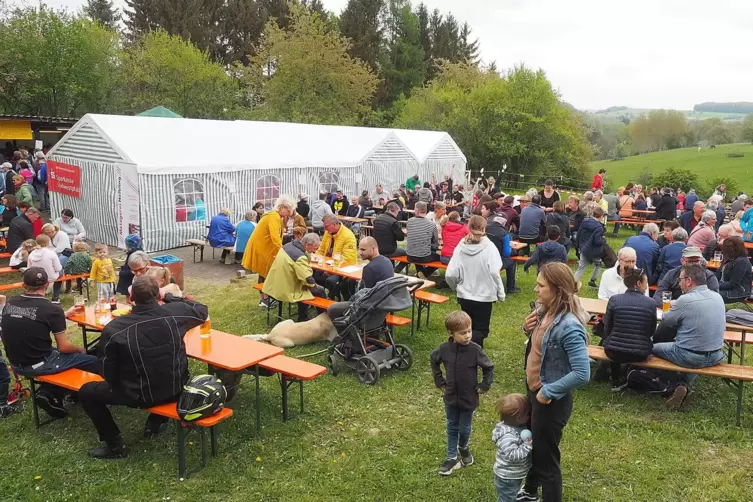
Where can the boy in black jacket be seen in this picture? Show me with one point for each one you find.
(460, 386)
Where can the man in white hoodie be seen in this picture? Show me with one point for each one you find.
(46, 258)
(319, 209)
(473, 272)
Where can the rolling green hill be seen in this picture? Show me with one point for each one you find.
(707, 164)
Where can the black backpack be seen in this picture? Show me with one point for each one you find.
(648, 381)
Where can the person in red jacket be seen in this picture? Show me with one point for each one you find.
(598, 182)
(452, 233)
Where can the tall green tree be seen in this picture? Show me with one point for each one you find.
(747, 129)
(403, 64)
(141, 17)
(53, 63)
(361, 22)
(424, 31)
(241, 25)
(104, 12)
(518, 120)
(304, 74)
(658, 130)
(467, 48)
(162, 69)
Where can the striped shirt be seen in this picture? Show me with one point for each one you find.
(513, 454)
(422, 237)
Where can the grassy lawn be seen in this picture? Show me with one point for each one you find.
(707, 164)
(384, 443)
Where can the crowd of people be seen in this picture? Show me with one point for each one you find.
(475, 231)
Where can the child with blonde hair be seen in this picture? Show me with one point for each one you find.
(163, 277)
(514, 446)
(19, 259)
(44, 256)
(103, 273)
(459, 384)
(79, 263)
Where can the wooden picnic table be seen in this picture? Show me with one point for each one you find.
(355, 272)
(351, 219)
(599, 307)
(748, 245)
(231, 352)
(93, 321)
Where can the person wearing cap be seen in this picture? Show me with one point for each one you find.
(302, 207)
(411, 183)
(27, 322)
(696, 321)
(142, 358)
(671, 281)
(340, 204)
(549, 196)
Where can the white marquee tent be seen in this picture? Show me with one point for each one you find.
(165, 177)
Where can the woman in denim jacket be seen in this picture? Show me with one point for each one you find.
(556, 363)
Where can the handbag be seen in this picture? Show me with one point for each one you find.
(610, 257)
(67, 252)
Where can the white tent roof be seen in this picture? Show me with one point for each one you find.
(158, 145)
(423, 143)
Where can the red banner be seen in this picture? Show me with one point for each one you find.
(64, 178)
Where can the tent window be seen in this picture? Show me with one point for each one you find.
(189, 200)
(329, 182)
(267, 190)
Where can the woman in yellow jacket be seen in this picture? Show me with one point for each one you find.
(338, 239)
(266, 241)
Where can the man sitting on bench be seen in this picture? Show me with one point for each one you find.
(27, 321)
(699, 318)
(143, 361)
(422, 240)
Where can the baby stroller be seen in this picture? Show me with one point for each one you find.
(359, 342)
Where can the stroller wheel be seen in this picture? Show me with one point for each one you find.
(332, 362)
(404, 356)
(367, 371)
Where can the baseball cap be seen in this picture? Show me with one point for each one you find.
(692, 252)
(35, 277)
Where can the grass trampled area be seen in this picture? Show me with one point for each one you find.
(385, 443)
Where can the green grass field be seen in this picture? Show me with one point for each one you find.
(384, 443)
(707, 164)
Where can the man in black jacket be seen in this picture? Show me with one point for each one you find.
(666, 206)
(388, 232)
(143, 361)
(21, 229)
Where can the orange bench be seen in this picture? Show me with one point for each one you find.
(291, 371)
(8, 270)
(20, 285)
(425, 301)
(6, 255)
(432, 264)
(74, 379)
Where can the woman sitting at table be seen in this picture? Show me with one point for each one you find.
(736, 274)
(629, 324)
(164, 281)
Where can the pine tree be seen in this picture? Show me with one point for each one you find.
(141, 16)
(403, 65)
(424, 32)
(361, 22)
(468, 49)
(102, 11)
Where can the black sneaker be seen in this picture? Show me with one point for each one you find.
(677, 398)
(513, 291)
(52, 405)
(524, 496)
(466, 457)
(592, 284)
(7, 410)
(449, 465)
(115, 449)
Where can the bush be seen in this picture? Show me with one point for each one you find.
(676, 178)
(733, 186)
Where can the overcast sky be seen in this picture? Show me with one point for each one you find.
(600, 53)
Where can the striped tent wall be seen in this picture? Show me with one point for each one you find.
(86, 143)
(444, 159)
(98, 206)
(389, 165)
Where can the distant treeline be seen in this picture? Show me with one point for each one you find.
(743, 107)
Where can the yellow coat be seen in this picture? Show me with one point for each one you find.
(264, 244)
(290, 279)
(345, 244)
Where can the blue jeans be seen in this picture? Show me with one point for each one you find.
(687, 359)
(507, 489)
(57, 362)
(4, 381)
(458, 429)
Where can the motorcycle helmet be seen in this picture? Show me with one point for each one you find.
(202, 396)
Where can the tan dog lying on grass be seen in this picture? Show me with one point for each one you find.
(288, 333)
